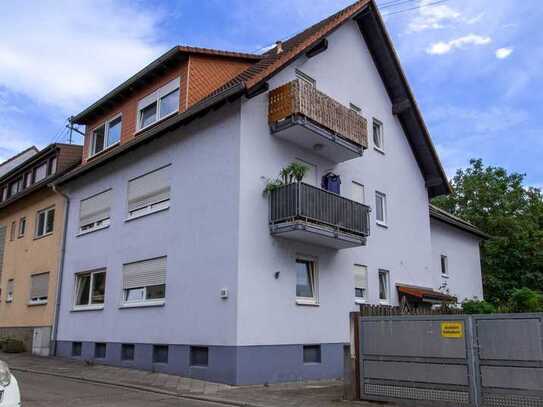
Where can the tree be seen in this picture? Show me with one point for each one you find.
(499, 204)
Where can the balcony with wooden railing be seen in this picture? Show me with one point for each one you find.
(303, 115)
(309, 214)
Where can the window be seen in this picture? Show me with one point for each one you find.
(45, 221)
(52, 166)
(39, 288)
(127, 351)
(12, 231)
(28, 179)
(360, 283)
(355, 108)
(100, 350)
(149, 193)
(159, 104)
(144, 282)
(3, 194)
(105, 135)
(358, 193)
(199, 356)
(306, 282)
(384, 286)
(312, 354)
(10, 289)
(160, 353)
(378, 138)
(15, 187)
(40, 172)
(76, 348)
(94, 212)
(444, 265)
(22, 227)
(306, 78)
(90, 289)
(380, 208)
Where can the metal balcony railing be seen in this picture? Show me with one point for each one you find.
(303, 202)
(298, 97)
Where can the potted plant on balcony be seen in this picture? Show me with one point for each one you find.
(294, 172)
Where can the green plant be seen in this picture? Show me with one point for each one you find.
(297, 171)
(478, 307)
(526, 300)
(272, 185)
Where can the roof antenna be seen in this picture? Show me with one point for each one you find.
(278, 47)
(72, 128)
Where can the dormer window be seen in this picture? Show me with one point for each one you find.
(106, 135)
(15, 187)
(159, 104)
(40, 172)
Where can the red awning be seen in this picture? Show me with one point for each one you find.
(424, 293)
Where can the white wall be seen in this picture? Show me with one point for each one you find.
(463, 257)
(198, 234)
(267, 310)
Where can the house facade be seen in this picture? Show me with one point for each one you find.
(176, 260)
(31, 230)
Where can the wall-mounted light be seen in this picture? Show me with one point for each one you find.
(277, 274)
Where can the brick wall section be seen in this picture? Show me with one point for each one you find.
(207, 73)
(128, 108)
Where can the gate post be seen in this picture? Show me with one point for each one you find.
(474, 377)
(352, 360)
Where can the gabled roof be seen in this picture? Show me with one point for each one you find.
(450, 219)
(170, 57)
(14, 161)
(370, 23)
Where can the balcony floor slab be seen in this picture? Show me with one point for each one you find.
(318, 235)
(307, 134)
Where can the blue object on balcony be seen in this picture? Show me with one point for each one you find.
(331, 182)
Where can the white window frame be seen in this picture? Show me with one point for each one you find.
(314, 282)
(143, 302)
(381, 136)
(10, 289)
(444, 264)
(35, 172)
(37, 300)
(154, 207)
(354, 185)
(90, 305)
(98, 225)
(363, 299)
(306, 78)
(386, 300)
(384, 221)
(46, 212)
(105, 124)
(21, 233)
(155, 97)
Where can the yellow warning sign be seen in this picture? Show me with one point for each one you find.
(452, 329)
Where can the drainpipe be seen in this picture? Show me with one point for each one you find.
(60, 268)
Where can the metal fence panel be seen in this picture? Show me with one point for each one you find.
(452, 360)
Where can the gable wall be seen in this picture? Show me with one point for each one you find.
(345, 72)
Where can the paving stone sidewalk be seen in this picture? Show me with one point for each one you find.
(314, 394)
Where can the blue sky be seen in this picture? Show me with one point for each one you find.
(474, 65)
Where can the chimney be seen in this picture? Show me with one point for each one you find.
(278, 47)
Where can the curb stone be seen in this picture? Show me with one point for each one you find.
(147, 389)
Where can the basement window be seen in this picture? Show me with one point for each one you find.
(199, 356)
(100, 350)
(76, 348)
(312, 354)
(158, 105)
(160, 353)
(127, 351)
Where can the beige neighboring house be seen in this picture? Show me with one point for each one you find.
(31, 231)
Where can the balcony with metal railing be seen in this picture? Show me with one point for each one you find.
(303, 115)
(309, 214)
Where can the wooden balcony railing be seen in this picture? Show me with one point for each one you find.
(301, 98)
(299, 201)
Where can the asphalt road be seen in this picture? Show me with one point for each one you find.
(50, 391)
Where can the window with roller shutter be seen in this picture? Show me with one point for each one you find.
(95, 211)
(144, 282)
(360, 283)
(149, 193)
(39, 288)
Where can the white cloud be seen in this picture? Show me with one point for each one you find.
(503, 53)
(440, 48)
(432, 16)
(65, 54)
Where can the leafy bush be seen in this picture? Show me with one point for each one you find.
(478, 307)
(526, 300)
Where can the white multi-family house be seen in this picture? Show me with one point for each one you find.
(175, 259)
